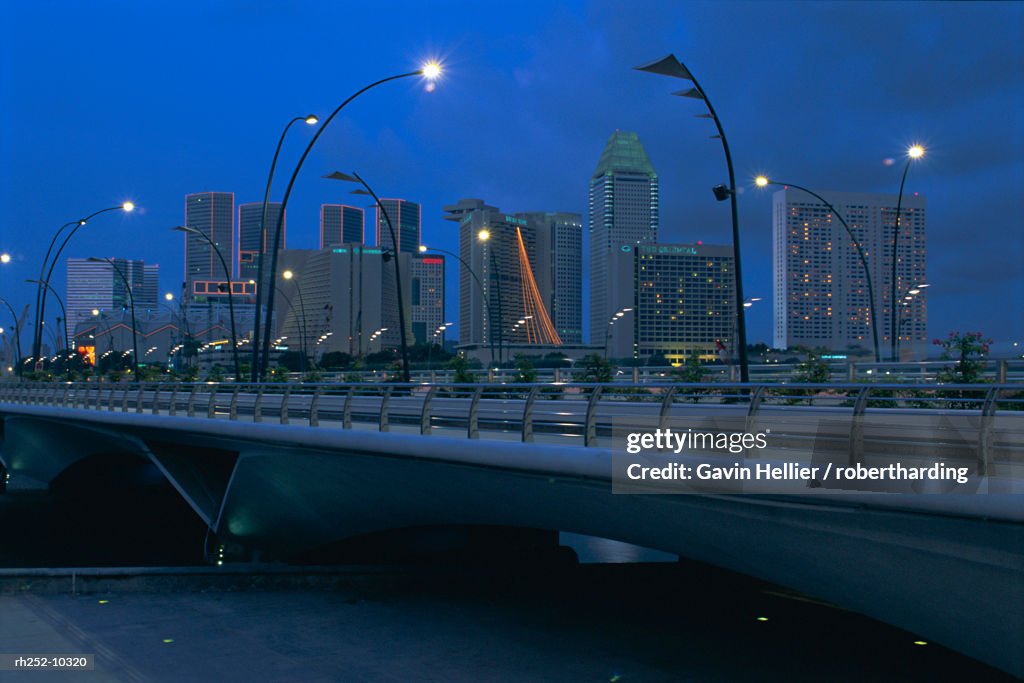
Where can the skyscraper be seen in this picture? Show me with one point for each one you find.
(821, 295)
(96, 285)
(427, 297)
(251, 238)
(211, 213)
(341, 224)
(559, 271)
(680, 301)
(623, 211)
(501, 250)
(405, 219)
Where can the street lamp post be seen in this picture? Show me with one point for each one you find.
(905, 303)
(608, 329)
(670, 66)
(312, 120)
(367, 190)
(231, 294)
(303, 336)
(430, 71)
(63, 312)
(131, 301)
(17, 334)
(479, 283)
(45, 275)
(762, 181)
(484, 237)
(430, 347)
(915, 152)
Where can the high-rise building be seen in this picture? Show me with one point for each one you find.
(680, 301)
(405, 219)
(252, 241)
(341, 224)
(427, 298)
(211, 213)
(623, 211)
(821, 294)
(95, 285)
(342, 298)
(559, 271)
(504, 305)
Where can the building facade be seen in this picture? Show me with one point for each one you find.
(341, 224)
(681, 299)
(427, 297)
(559, 271)
(212, 214)
(405, 219)
(623, 207)
(821, 297)
(96, 286)
(252, 242)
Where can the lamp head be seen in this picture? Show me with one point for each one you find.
(761, 181)
(423, 249)
(915, 152)
(287, 275)
(312, 119)
(431, 70)
(484, 235)
(128, 206)
(95, 311)
(721, 192)
(168, 297)
(5, 258)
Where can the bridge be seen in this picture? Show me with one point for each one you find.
(281, 469)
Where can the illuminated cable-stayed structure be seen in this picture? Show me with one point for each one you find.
(537, 325)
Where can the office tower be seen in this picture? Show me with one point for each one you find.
(95, 285)
(252, 241)
(211, 213)
(427, 298)
(623, 211)
(340, 299)
(682, 301)
(504, 305)
(821, 294)
(341, 224)
(405, 219)
(559, 271)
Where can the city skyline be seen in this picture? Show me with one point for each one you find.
(66, 161)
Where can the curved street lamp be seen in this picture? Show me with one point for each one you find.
(670, 66)
(303, 329)
(762, 181)
(231, 294)
(131, 301)
(45, 275)
(913, 153)
(367, 190)
(312, 120)
(17, 333)
(431, 71)
(479, 283)
(64, 312)
(608, 330)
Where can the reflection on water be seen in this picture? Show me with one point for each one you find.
(594, 550)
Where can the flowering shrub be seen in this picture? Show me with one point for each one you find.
(968, 350)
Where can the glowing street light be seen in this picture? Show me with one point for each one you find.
(479, 283)
(131, 302)
(5, 258)
(914, 152)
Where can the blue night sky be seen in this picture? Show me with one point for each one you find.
(106, 101)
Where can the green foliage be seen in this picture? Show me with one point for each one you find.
(336, 360)
(596, 369)
(692, 371)
(813, 370)
(968, 350)
(278, 373)
(525, 372)
(294, 361)
(461, 367)
(215, 374)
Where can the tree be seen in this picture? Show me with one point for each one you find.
(596, 369)
(525, 372)
(968, 350)
(692, 371)
(461, 367)
(813, 370)
(336, 360)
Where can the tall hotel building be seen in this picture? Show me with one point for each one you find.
(96, 285)
(211, 213)
(341, 224)
(623, 211)
(559, 271)
(821, 295)
(683, 301)
(427, 298)
(405, 219)
(251, 238)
